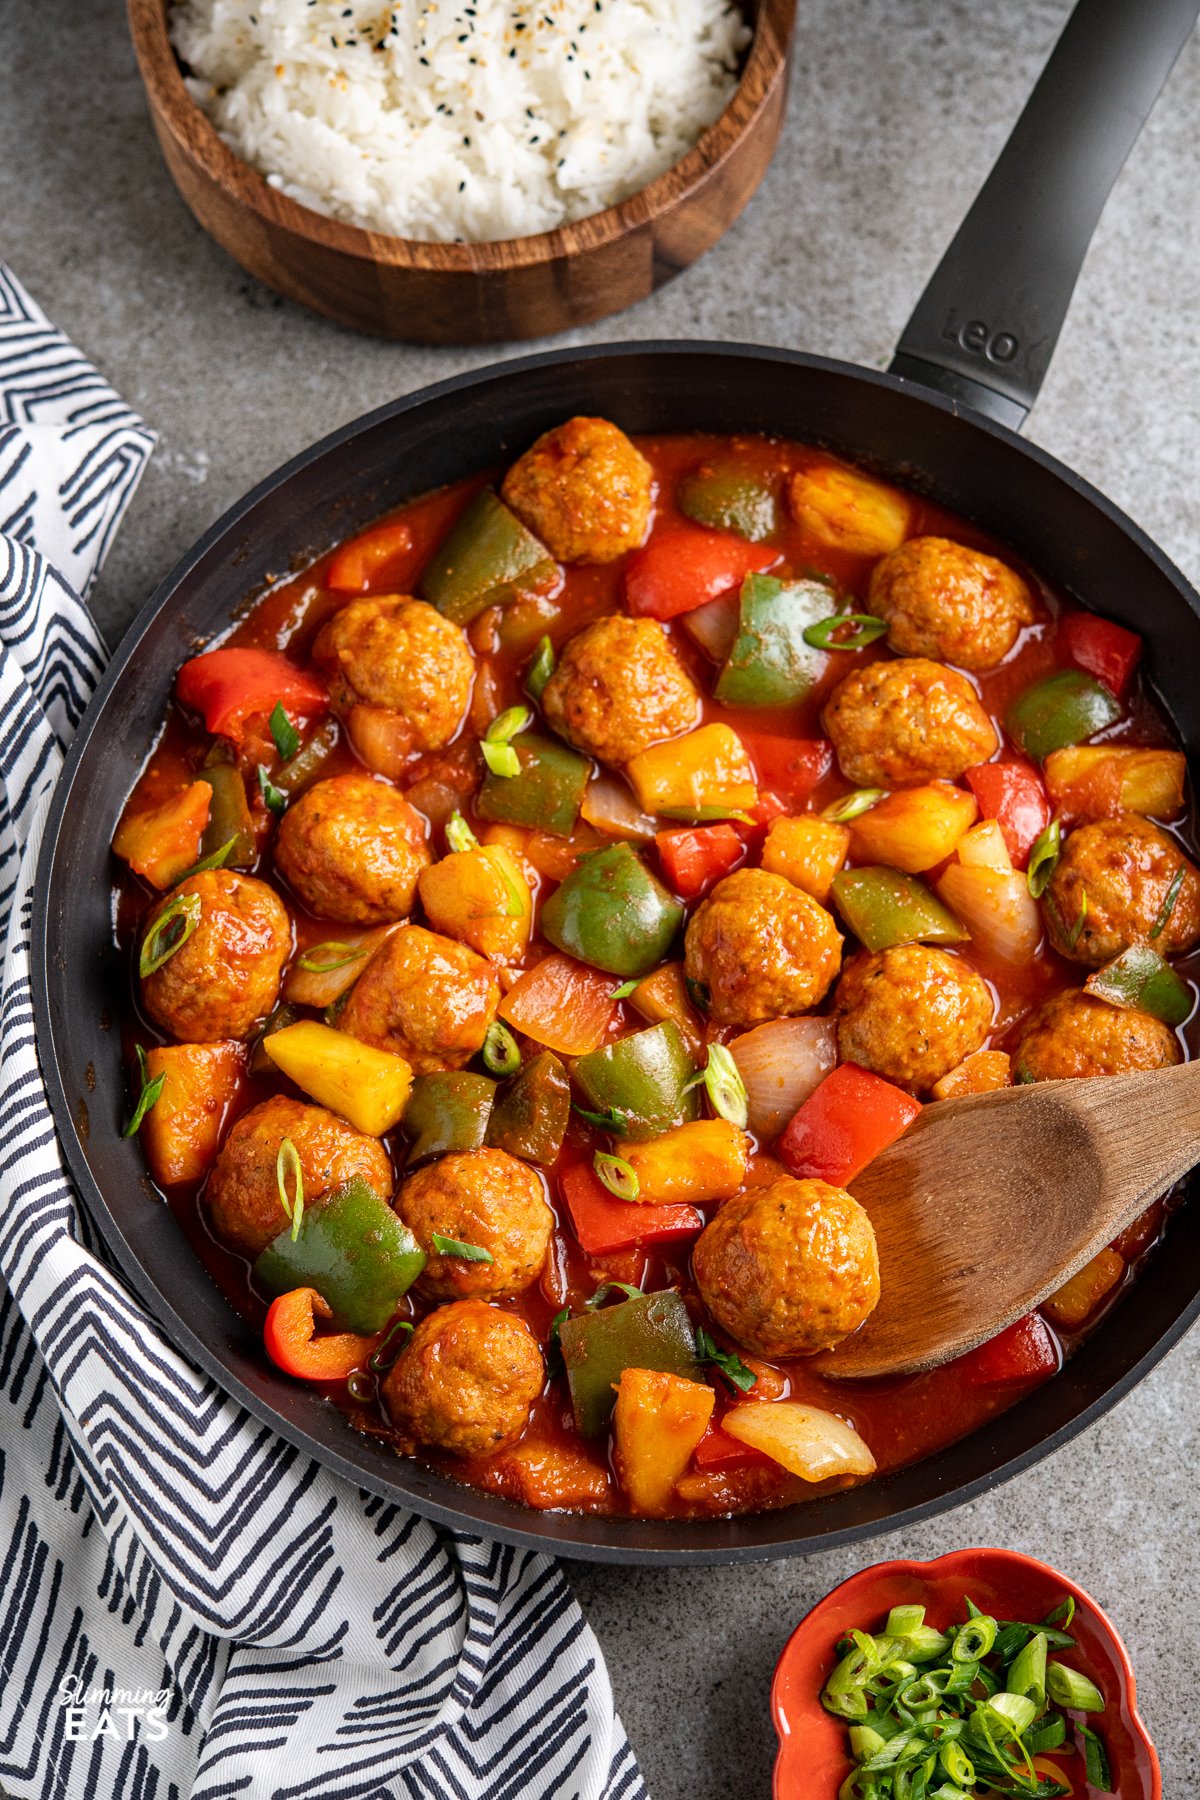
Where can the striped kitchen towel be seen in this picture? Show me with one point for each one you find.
(188, 1605)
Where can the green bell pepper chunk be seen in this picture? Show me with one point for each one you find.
(1064, 709)
(1140, 978)
(488, 559)
(730, 497)
(642, 1079)
(532, 1111)
(613, 913)
(228, 817)
(651, 1332)
(770, 664)
(447, 1112)
(882, 907)
(546, 794)
(353, 1249)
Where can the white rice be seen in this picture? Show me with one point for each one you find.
(461, 120)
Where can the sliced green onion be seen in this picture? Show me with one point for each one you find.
(459, 835)
(287, 1168)
(360, 1385)
(703, 815)
(287, 738)
(324, 958)
(274, 799)
(169, 932)
(1062, 1614)
(724, 1085)
(216, 859)
(540, 669)
(973, 1640)
(1067, 1687)
(623, 992)
(512, 720)
(1095, 1759)
(612, 1119)
(500, 1053)
(1168, 906)
(447, 1246)
(1027, 1674)
(1071, 934)
(851, 805)
(1043, 858)
(845, 631)
(902, 1621)
(957, 1764)
(727, 1362)
(389, 1346)
(618, 1176)
(516, 904)
(865, 1742)
(150, 1090)
(699, 993)
(612, 1287)
(501, 759)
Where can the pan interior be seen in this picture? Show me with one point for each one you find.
(1060, 525)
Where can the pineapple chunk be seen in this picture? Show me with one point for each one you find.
(694, 1163)
(848, 511)
(983, 847)
(808, 1442)
(663, 995)
(658, 1421)
(806, 851)
(368, 1087)
(914, 829)
(1072, 1303)
(182, 1131)
(704, 774)
(1097, 781)
(161, 845)
(482, 898)
(981, 1073)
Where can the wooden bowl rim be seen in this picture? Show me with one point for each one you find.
(198, 139)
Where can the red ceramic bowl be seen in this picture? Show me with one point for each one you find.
(813, 1761)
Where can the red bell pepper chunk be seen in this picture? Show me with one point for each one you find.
(1102, 649)
(788, 766)
(365, 557)
(1027, 1351)
(688, 565)
(604, 1224)
(1012, 793)
(291, 1346)
(693, 860)
(844, 1124)
(717, 1452)
(227, 687)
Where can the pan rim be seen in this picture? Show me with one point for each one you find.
(591, 1537)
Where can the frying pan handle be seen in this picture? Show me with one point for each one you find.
(984, 330)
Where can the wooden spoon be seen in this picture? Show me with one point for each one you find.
(989, 1203)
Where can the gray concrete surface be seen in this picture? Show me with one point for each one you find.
(898, 107)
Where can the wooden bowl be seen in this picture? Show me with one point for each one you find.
(472, 293)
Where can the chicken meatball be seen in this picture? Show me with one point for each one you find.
(618, 688)
(762, 949)
(225, 973)
(243, 1191)
(942, 600)
(467, 1379)
(789, 1269)
(1074, 1035)
(426, 997)
(1119, 882)
(399, 653)
(352, 849)
(585, 490)
(911, 1013)
(903, 723)
(486, 1198)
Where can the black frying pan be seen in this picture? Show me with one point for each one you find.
(942, 421)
